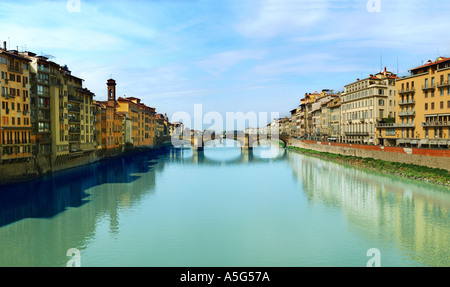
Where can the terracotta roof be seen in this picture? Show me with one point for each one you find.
(430, 63)
(14, 54)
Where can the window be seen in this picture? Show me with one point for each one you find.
(381, 102)
(442, 105)
(3, 60)
(432, 106)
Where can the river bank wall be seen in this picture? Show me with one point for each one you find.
(432, 158)
(16, 172)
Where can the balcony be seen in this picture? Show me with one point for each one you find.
(43, 69)
(406, 102)
(44, 95)
(406, 125)
(436, 124)
(444, 84)
(75, 99)
(43, 81)
(406, 91)
(74, 130)
(74, 109)
(428, 87)
(407, 113)
(43, 118)
(15, 69)
(395, 125)
(386, 125)
(357, 134)
(74, 120)
(44, 107)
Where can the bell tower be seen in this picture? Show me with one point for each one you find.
(112, 92)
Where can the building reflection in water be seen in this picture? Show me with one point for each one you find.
(99, 192)
(411, 215)
(42, 219)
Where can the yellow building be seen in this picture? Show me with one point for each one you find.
(15, 124)
(61, 110)
(423, 108)
(143, 121)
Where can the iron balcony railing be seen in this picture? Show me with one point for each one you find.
(407, 113)
(15, 69)
(406, 102)
(444, 84)
(436, 124)
(429, 87)
(356, 133)
(407, 90)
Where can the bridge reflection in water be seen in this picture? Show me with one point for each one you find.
(230, 153)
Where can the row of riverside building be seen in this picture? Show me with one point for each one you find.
(46, 111)
(382, 109)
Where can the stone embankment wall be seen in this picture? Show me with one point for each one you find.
(424, 157)
(11, 172)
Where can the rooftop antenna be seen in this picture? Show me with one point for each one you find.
(381, 59)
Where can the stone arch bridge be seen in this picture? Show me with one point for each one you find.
(247, 141)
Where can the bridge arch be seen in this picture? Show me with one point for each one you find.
(247, 141)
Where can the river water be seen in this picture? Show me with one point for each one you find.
(223, 207)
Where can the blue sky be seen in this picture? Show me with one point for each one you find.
(230, 55)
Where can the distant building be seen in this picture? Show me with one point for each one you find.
(365, 103)
(143, 121)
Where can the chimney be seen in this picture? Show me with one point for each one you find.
(4, 45)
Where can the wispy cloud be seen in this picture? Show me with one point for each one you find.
(275, 17)
(219, 63)
(173, 54)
